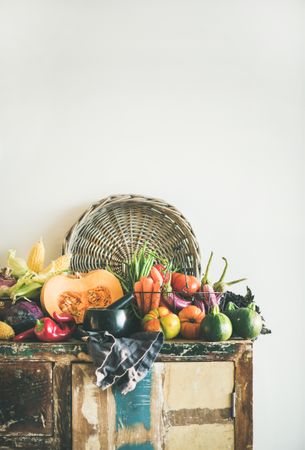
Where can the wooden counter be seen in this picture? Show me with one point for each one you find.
(198, 396)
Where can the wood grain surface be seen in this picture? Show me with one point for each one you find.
(49, 400)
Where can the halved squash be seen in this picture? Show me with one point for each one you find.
(75, 294)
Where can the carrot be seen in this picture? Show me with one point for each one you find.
(138, 293)
(147, 284)
(156, 275)
(156, 296)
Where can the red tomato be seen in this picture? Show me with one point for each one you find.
(185, 283)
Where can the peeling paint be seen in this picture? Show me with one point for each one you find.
(89, 406)
(184, 349)
(179, 348)
(93, 442)
(134, 407)
(145, 446)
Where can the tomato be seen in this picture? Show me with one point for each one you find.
(162, 319)
(185, 283)
(191, 318)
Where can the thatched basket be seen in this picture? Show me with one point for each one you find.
(110, 231)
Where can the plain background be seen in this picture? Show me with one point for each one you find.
(196, 102)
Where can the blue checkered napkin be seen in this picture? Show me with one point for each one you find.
(123, 361)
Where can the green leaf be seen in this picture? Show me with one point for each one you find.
(18, 266)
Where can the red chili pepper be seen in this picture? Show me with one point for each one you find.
(24, 335)
(47, 330)
(63, 317)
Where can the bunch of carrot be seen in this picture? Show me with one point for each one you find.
(148, 291)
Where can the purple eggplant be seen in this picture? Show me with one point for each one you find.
(209, 295)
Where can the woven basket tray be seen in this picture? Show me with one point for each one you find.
(110, 231)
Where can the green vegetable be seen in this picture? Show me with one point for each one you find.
(28, 283)
(18, 266)
(242, 301)
(216, 326)
(139, 266)
(25, 287)
(247, 323)
(221, 285)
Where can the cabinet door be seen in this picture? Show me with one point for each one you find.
(35, 405)
(26, 393)
(177, 406)
(26, 408)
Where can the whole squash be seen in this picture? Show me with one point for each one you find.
(216, 326)
(246, 322)
(75, 294)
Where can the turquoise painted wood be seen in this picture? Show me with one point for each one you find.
(134, 407)
(145, 446)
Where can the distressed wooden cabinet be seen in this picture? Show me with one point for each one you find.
(198, 396)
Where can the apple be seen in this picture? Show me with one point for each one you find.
(162, 319)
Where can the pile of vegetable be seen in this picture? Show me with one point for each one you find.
(178, 303)
(48, 303)
(21, 313)
(22, 278)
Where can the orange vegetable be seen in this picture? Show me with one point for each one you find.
(185, 283)
(156, 296)
(156, 275)
(74, 295)
(138, 293)
(162, 319)
(147, 286)
(191, 318)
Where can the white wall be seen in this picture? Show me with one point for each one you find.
(196, 102)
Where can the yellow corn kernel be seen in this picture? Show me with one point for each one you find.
(60, 264)
(36, 257)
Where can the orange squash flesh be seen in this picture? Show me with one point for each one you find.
(74, 295)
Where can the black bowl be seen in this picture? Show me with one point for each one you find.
(119, 323)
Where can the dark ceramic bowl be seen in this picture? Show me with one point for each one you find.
(120, 322)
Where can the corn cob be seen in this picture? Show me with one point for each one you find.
(6, 331)
(36, 257)
(60, 264)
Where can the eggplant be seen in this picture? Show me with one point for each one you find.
(22, 315)
(222, 286)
